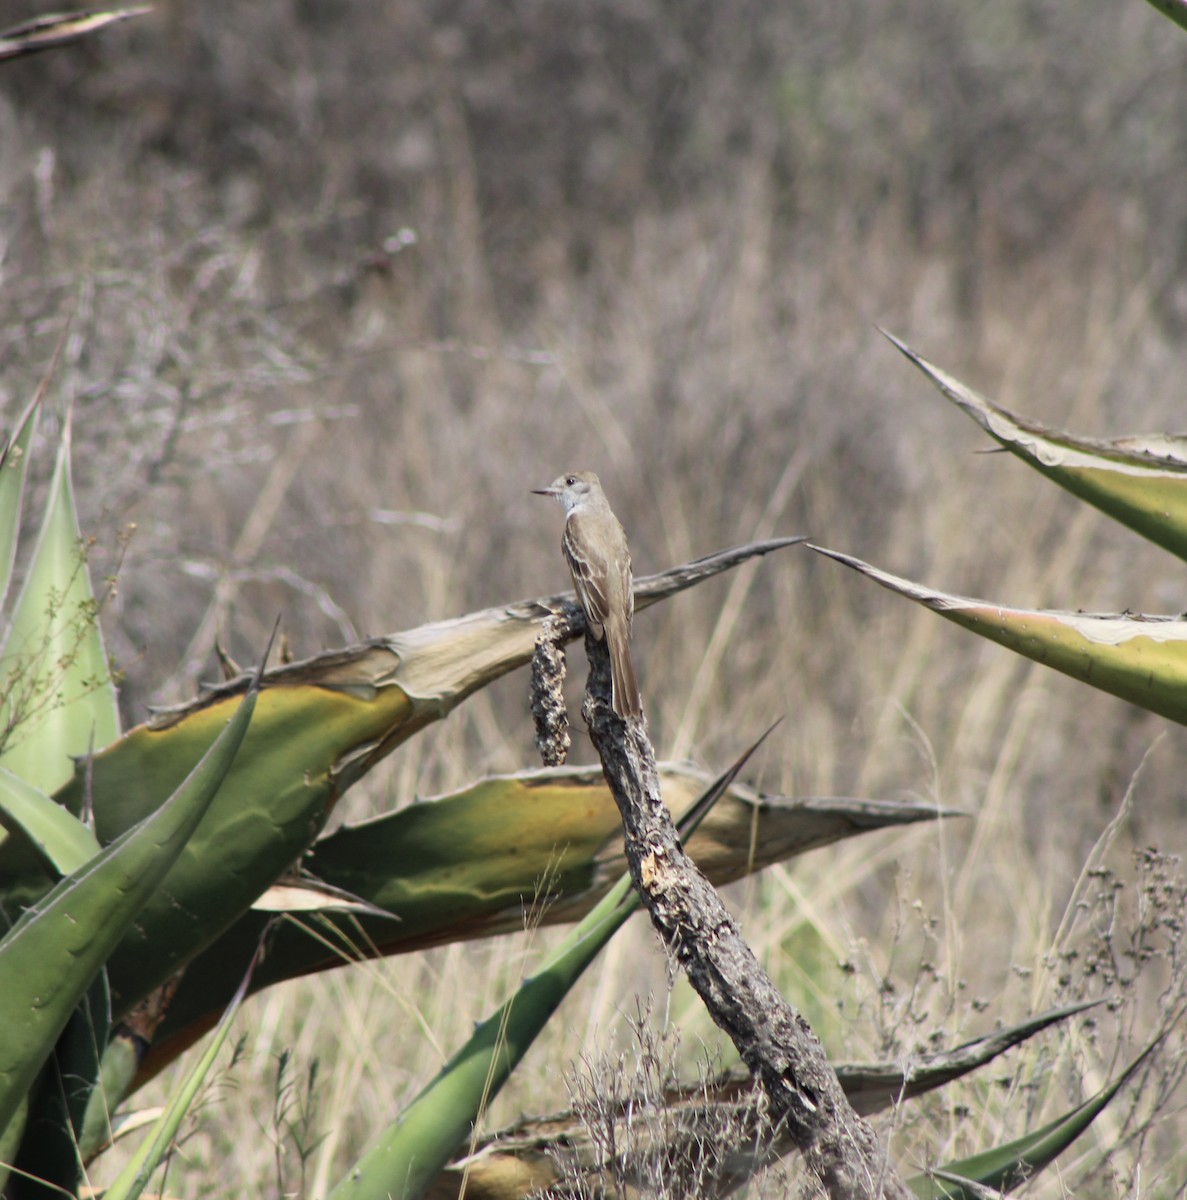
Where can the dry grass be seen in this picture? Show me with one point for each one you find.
(656, 245)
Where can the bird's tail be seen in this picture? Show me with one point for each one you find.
(624, 689)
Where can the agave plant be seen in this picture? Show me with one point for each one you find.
(128, 856)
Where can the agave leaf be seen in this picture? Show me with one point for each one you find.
(408, 1156)
(964, 1187)
(10, 1139)
(308, 895)
(57, 698)
(131, 1181)
(872, 1088)
(1175, 9)
(125, 1124)
(1140, 481)
(1007, 1166)
(460, 867)
(51, 956)
(1138, 658)
(526, 1158)
(59, 837)
(44, 33)
(319, 726)
(50, 1151)
(14, 461)
(117, 1069)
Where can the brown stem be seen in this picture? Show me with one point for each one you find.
(776, 1043)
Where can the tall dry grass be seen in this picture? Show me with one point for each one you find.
(343, 282)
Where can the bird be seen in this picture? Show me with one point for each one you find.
(599, 559)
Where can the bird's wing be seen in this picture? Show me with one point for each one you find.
(589, 573)
(628, 588)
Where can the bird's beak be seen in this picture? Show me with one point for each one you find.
(548, 491)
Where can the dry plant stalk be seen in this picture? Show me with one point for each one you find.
(802, 1092)
(548, 692)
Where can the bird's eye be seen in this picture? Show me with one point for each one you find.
(570, 480)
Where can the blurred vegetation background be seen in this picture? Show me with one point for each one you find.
(342, 282)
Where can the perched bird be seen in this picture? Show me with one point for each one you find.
(599, 559)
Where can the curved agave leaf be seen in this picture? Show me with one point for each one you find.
(102, 1124)
(116, 1072)
(409, 1155)
(44, 33)
(1140, 481)
(964, 1188)
(525, 1159)
(1140, 659)
(319, 726)
(50, 1150)
(10, 1139)
(405, 1158)
(1176, 10)
(873, 1088)
(1008, 1166)
(57, 698)
(460, 867)
(14, 461)
(62, 840)
(50, 957)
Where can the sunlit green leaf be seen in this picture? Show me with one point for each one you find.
(1140, 659)
(60, 837)
(14, 461)
(1140, 481)
(57, 698)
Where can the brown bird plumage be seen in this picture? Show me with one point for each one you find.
(595, 547)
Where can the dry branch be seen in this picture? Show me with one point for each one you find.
(803, 1095)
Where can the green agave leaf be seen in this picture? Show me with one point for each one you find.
(51, 956)
(319, 726)
(133, 1179)
(14, 461)
(1007, 1166)
(271, 806)
(1175, 9)
(50, 1159)
(409, 1155)
(116, 1072)
(460, 866)
(1140, 481)
(1140, 659)
(61, 838)
(57, 698)
(965, 1187)
(10, 1139)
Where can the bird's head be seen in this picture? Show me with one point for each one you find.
(571, 489)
